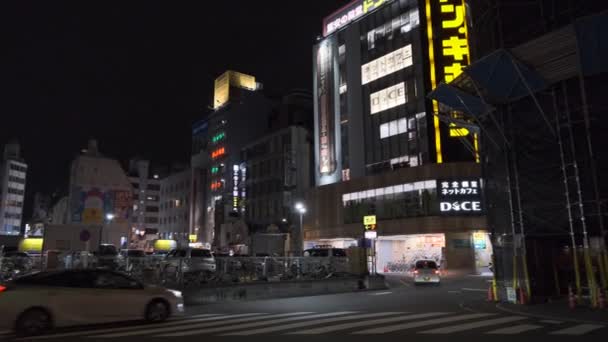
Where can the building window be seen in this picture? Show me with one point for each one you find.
(152, 209)
(15, 191)
(19, 168)
(18, 180)
(153, 187)
(153, 220)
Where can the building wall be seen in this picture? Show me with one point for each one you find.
(146, 197)
(12, 190)
(175, 205)
(278, 173)
(326, 214)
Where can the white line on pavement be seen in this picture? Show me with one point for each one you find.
(345, 326)
(474, 290)
(380, 293)
(397, 327)
(473, 325)
(516, 329)
(230, 321)
(311, 323)
(255, 324)
(131, 328)
(550, 321)
(578, 329)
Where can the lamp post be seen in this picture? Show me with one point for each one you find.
(301, 209)
(109, 218)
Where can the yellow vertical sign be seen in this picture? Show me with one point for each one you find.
(449, 53)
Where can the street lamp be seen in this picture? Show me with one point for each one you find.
(109, 217)
(301, 209)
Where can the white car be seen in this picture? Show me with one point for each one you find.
(39, 302)
(190, 260)
(426, 272)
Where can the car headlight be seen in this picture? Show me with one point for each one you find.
(176, 293)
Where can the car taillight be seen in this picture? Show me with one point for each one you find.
(3, 288)
(415, 271)
(436, 271)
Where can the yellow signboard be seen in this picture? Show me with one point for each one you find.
(192, 237)
(369, 220)
(230, 78)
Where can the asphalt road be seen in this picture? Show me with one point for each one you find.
(426, 313)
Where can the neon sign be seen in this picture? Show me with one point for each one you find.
(448, 48)
(216, 185)
(218, 137)
(218, 153)
(348, 14)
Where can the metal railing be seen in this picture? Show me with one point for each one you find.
(189, 272)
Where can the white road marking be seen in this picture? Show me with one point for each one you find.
(230, 321)
(397, 327)
(404, 283)
(474, 290)
(345, 326)
(551, 321)
(578, 329)
(473, 325)
(130, 328)
(380, 293)
(255, 324)
(516, 329)
(310, 323)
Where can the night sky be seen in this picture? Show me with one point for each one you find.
(136, 76)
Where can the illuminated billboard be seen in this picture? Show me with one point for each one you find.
(387, 64)
(459, 196)
(348, 14)
(230, 78)
(325, 107)
(388, 98)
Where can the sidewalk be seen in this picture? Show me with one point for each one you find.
(557, 310)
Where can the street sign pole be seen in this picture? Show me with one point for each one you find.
(369, 223)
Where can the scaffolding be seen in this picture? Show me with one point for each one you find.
(546, 199)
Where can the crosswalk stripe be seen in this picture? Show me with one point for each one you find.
(516, 329)
(396, 327)
(255, 324)
(473, 325)
(578, 329)
(345, 326)
(310, 323)
(130, 328)
(256, 317)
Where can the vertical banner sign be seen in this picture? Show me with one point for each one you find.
(325, 94)
(448, 48)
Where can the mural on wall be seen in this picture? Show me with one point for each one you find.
(90, 206)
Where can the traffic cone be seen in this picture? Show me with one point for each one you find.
(602, 299)
(571, 298)
(522, 296)
(490, 293)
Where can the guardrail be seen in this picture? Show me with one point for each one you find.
(189, 272)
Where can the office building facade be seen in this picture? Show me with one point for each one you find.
(13, 174)
(381, 150)
(146, 196)
(175, 198)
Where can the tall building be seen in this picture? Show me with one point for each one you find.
(13, 171)
(146, 195)
(240, 114)
(175, 198)
(382, 150)
(279, 173)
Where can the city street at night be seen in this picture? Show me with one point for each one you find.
(455, 309)
(322, 170)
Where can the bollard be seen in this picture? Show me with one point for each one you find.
(522, 296)
(571, 298)
(601, 299)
